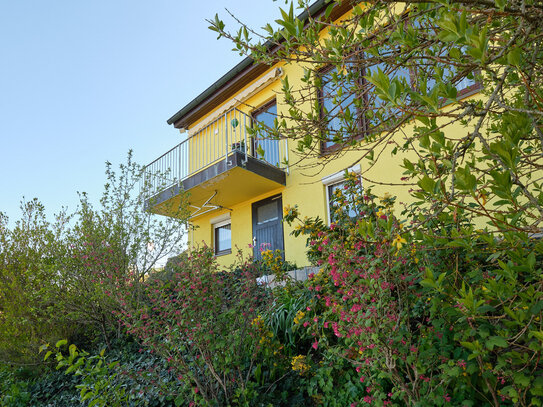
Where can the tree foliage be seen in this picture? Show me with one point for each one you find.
(443, 303)
(395, 88)
(59, 279)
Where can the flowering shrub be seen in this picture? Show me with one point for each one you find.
(206, 324)
(421, 321)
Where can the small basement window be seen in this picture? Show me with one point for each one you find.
(222, 236)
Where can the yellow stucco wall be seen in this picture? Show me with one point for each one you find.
(306, 191)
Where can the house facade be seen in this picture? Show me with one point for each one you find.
(238, 182)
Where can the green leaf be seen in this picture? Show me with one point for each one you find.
(427, 184)
(496, 341)
(61, 342)
(468, 345)
(328, 11)
(521, 379)
(514, 56)
(537, 334)
(501, 4)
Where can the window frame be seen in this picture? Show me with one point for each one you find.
(363, 124)
(259, 110)
(218, 251)
(335, 179)
(324, 149)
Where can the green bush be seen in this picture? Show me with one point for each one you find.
(423, 319)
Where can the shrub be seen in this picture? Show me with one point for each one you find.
(423, 319)
(204, 323)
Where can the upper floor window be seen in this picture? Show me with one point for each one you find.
(437, 59)
(338, 108)
(350, 106)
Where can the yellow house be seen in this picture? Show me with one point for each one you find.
(236, 194)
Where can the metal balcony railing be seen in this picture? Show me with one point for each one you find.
(212, 143)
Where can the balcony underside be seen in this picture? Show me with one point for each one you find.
(227, 183)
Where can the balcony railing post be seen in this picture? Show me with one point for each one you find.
(226, 137)
(245, 132)
(285, 146)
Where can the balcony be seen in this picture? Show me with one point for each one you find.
(218, 165)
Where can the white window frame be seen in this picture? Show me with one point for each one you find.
(334, 179)
(216, 223)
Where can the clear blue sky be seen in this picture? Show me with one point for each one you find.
(82, 82)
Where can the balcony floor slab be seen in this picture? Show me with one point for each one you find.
(233, 180)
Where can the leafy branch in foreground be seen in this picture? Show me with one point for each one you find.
(394, 79)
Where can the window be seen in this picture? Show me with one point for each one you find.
(265, 146)
(391, 71)
(439, 61)
(347, 113)
(335, 184)
(350, 106)
(222, 236)
(336, 95)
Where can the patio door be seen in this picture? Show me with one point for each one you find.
(266, 148)
(268, 225)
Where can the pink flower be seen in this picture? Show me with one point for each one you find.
(315, 345)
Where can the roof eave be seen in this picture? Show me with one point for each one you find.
(182, 119)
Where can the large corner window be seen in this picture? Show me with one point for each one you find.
(350, 107)
(339, 114)
(335, 184)
(222, 237)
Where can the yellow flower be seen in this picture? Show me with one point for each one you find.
(299, 316)
(258, 321)
(398, 242)
(299, 364)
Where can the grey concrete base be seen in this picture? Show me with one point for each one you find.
(293, 275)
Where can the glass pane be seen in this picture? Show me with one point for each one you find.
(377, 104)
(334, 205)
(263, 142)
(223, 238)
(267, 213)
(267, 117)
(337, 107)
